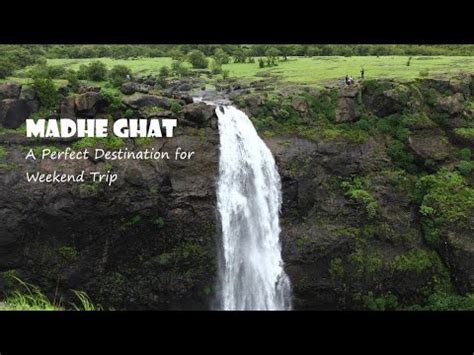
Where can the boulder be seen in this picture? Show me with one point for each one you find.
(198, 113)
(68, 107)
(9, 91)
(13, 112)
(88, 104)
(188, 99)
(137, 101)
(131, 88)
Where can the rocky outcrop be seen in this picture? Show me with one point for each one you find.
(452, 105)
(198, 113)
(14, 112)
(130, 88)
(138, 100)
(430, 144)
(88, 104)
(9, 91)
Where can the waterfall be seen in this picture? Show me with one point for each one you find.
(248, 201)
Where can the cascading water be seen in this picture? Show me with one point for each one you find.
(249, 200)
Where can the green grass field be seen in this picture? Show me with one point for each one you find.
(305, 70)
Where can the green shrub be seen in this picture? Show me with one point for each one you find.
(356, 192)
(118, 74)
(336, 268)
(216, 68)
(175, 107)
(416, 260)
(465, 132)
(46, 92)
(6, 68)
(178, 68)
(3, 152)
(464, 154)
(95, 71)
(197, 59)
(378, 303)
(164, 72)
(73, 80)
(400, 156)
(465, 167)
(445, 197)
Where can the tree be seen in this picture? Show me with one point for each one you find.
(220, 56)
(178, 68)
(118, 74)
(216, 67)
(175, 54)
(96, 71)
(197, 59)
(272, 55)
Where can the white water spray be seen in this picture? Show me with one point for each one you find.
(249, 200)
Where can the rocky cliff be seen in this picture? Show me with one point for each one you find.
(377, 185)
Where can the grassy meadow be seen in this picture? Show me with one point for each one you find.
(313, 71)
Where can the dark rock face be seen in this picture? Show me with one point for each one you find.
(382, 102)
(198, 112)
(88, 104)
(147, 241)
(13, 112)
(132, 87)
(142, 100)
(346, 110)
(326, 254)
(430, 144)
